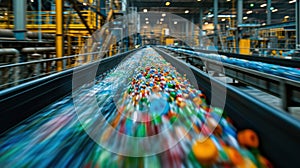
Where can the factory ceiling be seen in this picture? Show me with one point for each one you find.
(254, 10)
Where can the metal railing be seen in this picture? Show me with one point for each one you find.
(48, 19)
(17, 73)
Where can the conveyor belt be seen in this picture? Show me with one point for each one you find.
(286, 89)
(275, 61)
(279, 133)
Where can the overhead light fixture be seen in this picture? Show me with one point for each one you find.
(84, 3)
(274, 10)
(286, 17)
(271, 8)
(31, 0)
(146, 18)
(147, 22)
(186, 11)
(205, 23)
(175, 22)
(249, 12)
(199, 0)
(263, 24)
(228, 0)
(145, 10)
(223, 20)
(292, 1)
(162, 19)
(163, 15)
(245, 17)
(160, 22)
(251, 5)
(263, 5)
(168, 3)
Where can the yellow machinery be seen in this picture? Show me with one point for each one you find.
(244, 46)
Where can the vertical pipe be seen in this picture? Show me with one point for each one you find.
(216, 23)
(298, 24)
(187, 32)
(269, 12)
(59, 32)
(40, 19)
(20, 19)
(200, 27)
(239, 22)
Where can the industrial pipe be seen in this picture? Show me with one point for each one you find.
(37, 49)
(9, 51)
(31, 35)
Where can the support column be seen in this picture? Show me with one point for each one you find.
(269, 12)
(20, 19)
(239, 22)
(40, 19)
(216, 23)
(200, 28)
(297, 24)
(59, 33)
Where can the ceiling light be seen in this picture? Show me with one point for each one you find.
(263, 5)
(223, 20)
(252, 5)
(292, 1)
(160, 22)
(271, 8)
(199, 0)
(145, 10)
(274, 10)
(186, 11)
(168, 3)
(31, 0)
(162, 19)
(263, 24)
(286, 17)
(206, 23)
(228, 0)
(163, 15)
(82, 3)
(146, 18)
(175, 22)
(147, 22)
(245, 17)
(249, 12)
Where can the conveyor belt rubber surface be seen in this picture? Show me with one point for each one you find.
(110, 124)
